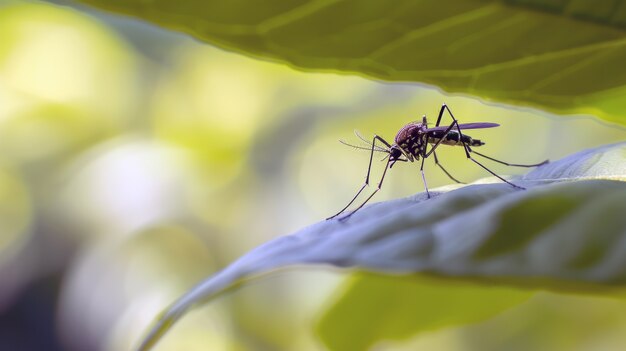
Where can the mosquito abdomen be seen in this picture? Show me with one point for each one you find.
(452, 139)
(473, 142)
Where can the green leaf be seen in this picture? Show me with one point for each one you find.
(561, 55)
(377, 307)
(560, 234)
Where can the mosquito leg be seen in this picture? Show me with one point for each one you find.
(424, 178)
(445, 134)
(349, 203)
(380, 184)
(468, 150)
(443, 108)
(502, 179)
(367, 177)
(432, 151)
(424, 152)
(455, 123)
(444, 170)
(509, 164)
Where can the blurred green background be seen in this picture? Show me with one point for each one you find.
(134, 162)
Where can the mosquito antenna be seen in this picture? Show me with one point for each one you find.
(369, 143)
(377, 149)
(356, 132)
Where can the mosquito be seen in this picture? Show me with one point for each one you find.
(411, 144)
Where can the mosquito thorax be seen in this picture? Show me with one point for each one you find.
(409, 137)
(409, 131)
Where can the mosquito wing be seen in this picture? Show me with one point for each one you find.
(465, 126)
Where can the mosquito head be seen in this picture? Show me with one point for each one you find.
(395, 154)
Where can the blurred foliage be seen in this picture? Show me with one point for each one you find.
(135, 161)
(377, 307)
(560, 55)
(15, 215)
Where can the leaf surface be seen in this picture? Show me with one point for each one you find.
(566, 56)
(562, 234)
(383, 307)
